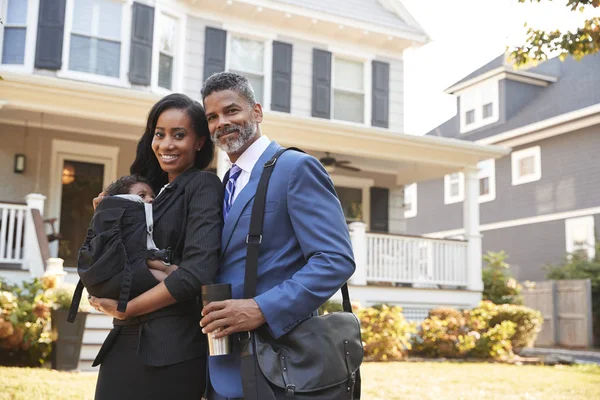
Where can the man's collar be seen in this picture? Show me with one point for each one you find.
(248, 158)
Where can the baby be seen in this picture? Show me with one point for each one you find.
(136, 188)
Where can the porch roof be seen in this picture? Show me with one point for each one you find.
(91, 109)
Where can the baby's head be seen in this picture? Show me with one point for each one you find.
(131, 184)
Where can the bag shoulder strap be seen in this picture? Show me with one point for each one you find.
(254, 238)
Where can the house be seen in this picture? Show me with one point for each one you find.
(541, 201)
(81, 75)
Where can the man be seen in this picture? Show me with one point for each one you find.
(305, 255)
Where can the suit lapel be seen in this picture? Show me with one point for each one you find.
(172, 192)
(245, 196)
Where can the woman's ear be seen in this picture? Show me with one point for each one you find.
(201, 142)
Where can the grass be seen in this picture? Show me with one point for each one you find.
(382, 381)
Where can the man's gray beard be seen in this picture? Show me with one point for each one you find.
(233, 145)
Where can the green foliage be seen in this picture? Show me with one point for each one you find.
(330, 306)
(499, 286)
(385, 333)
(487, 331)
(578, 266)
(579, 43)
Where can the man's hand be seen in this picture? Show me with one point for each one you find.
(98, 199)
(108, 307)
(231, 316)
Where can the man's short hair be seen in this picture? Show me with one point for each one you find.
(229, 81)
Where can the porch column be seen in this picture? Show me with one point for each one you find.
(471, 225)
(358, 235)
(223, 163)
(32, 257)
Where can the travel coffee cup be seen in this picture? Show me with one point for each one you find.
(210, 293)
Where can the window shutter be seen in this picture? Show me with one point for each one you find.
(142, 33)
(380, 200)
(281, 88)
(215, 48)
(381, 94)
(321, 91)
(51, 27)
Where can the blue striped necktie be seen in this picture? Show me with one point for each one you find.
(234, 173)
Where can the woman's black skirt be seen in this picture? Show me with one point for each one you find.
(124, 376)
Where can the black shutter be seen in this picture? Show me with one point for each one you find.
(281, 88)
(321, 91)
(51, 27)
(140, 56)
(215, 48)
(380, 200)
(381, 94)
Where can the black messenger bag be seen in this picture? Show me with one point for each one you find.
(319, 359)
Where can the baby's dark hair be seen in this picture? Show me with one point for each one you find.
(123, 184)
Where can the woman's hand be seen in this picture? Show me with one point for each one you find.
(108, 307)
(98, 199)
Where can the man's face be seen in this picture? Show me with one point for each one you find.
(232, 122)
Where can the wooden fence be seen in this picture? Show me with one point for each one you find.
(567, 309)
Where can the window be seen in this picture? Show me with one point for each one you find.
(470, 116)
(348, 90)
(454, 188)
(15, 29)
(95, 45)
(487, 180)
(351, 201)
(167, 40)
(580, 236)
(526, 165)
(410, 200)
(247, 58)
(488, 110)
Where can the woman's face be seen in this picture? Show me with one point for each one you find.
(175, 143)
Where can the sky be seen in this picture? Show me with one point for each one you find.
(466, 34)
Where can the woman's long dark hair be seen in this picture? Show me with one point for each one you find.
(146, 164)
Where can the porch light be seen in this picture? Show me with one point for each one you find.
(19, 167)
(68, 174)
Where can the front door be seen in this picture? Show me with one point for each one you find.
(81, 182)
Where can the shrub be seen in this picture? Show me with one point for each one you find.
(578, 266)
(495, 342)
(385, 333)
(330, 306)
(528, 323)
(499, 286)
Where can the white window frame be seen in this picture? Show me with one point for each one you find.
(474, 98)
(410, 193)
(491, 175)
(517, 156)
(448, 198)
(357, 183)
(267, 54)
(367, 62)
(122, 80)
(30, 36)
(588, 224)
(178, 53)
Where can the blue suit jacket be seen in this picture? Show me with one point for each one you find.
(305, 255)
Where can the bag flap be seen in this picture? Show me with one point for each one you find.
(320, 352)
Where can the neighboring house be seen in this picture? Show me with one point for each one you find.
(543, 200)
(81, 75)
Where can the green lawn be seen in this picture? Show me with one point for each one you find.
(382, 381)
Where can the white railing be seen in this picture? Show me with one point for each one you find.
(12, 221)
(415, 260)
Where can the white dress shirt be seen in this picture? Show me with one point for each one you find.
(247, 161)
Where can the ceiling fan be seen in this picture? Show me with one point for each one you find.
(330, 163)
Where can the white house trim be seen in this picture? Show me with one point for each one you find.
(502, 71)
(517, 156)
(491, 196)
(67, 128)
(410, 191)
(519, 222)
(448, 197)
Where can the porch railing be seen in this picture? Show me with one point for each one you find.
(12, 220)
(415, 260)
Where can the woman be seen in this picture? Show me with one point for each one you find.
(156, 350)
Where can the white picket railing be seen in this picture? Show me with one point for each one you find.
(12, 220)
(416, 260)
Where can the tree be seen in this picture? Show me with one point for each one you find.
(538, 44)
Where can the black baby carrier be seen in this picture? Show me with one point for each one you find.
(112, 260)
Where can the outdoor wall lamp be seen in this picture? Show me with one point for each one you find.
(19, 163)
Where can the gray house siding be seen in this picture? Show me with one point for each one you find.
(396, 95)
(519, 94)
(301, 75)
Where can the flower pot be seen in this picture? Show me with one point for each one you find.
(69, 336)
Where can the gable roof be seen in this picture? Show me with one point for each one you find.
(492, 65)
(371, 11)
(577, 87)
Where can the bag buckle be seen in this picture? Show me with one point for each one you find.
(270, 163)
(257, 237)
(290, 390)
